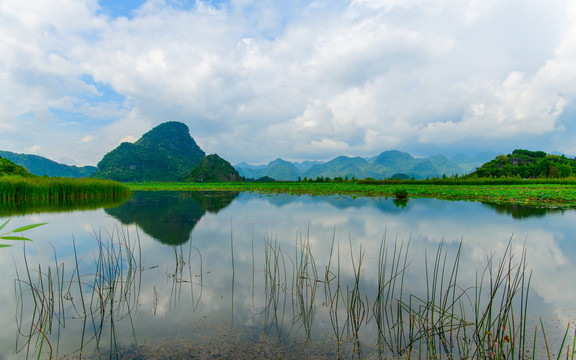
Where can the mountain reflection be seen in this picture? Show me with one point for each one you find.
(170, 216)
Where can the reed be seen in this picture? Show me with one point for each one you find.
(45, 297)
(16, 189)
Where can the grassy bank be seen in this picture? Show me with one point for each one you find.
(17, 189)
(550, 194)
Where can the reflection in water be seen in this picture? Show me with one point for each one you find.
(170, 216)
(518, 211)
(400, 203)
(297, 277)
(450, 318)
(39, 206)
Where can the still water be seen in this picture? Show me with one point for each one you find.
(212, 274)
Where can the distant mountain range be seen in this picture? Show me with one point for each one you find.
(389, 164)
(168, 153)
(39, 165)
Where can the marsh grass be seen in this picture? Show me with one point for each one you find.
(49, 298)
(447, 319)
(52, 190)
(484, 320)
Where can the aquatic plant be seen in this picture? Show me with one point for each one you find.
(10, 236)
(18, 189)
(448, 319)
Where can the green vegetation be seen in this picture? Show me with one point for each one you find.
(559, 193)
(527, 164)
(213, 169)
(11, 235)
(7, 168)
(165, 153)
(24, 193)
(39, 165)
(17, 189)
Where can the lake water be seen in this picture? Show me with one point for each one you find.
(224, 274)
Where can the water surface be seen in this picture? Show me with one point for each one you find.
(199, 267)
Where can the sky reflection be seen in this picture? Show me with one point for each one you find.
(189, 284)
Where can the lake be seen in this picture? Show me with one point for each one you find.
(227, 274)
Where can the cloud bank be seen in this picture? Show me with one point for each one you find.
(257, 80)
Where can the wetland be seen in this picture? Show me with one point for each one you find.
(217, 274)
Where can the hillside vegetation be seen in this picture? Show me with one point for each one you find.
(214, 169)
(527, 164)
(165, 153)
(8, 168)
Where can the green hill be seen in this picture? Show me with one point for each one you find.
(214, 169)
(165, 153)
(7, 168)
(39, 165)
(528, 164)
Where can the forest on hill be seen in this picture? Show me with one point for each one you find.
(527, 164)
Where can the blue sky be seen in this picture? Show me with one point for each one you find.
(296, 79)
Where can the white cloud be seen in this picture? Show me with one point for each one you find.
(87, 139)
(259, 80)
(34, 149)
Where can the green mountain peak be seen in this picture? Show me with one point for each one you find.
(165, 153)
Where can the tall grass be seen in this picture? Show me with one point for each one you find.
(57, 190)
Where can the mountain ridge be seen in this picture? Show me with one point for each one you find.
(41, 166)
(387, 164)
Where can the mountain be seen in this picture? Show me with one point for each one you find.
(165, 153)
(305, 165)
(8, 167)
(391, 162)
(39, 165)
(342, 166)
(214, 169)
(278, 169)
(388, 164)
(446, 166)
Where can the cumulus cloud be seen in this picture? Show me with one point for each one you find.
(260, 80)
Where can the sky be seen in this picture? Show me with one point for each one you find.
(256, 80)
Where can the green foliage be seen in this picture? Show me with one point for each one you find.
(549, 193)
(7, 168)
(401, 193)
(527, 164)
(18, 189)
(214, 169)
(10, 236)
(165, 153)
